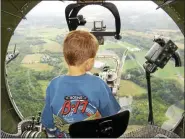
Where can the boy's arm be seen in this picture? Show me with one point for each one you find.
(108, 104)
(47, 114)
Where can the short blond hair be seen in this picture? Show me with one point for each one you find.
(79, 46)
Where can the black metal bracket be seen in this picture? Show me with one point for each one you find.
(23, 16)
(72, 10)
(166, 2)
(12, 14)
(150, 116)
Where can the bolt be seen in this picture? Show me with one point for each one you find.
(9, 29)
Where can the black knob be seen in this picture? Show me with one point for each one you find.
(39, 113)
(109, 75)
(33, 118)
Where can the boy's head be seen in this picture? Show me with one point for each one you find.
(80, 48)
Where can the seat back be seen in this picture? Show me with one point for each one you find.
(108, 127)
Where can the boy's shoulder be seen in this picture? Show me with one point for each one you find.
(55, 80)
(87, 78)
(95, 79)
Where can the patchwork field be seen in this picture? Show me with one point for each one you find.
(43, 84)
(44, 32)
(126, 44)
(180, 45)
(128, 88)
(38, 66)
(169, 70)
(48, 46)
(139, 34)
(129, 64)
(32, 58)
(52, 46)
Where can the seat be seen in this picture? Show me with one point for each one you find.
(108, 127)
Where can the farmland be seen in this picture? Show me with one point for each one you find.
(128, 88)
(32, 58)
(38, 66)
(38, 42)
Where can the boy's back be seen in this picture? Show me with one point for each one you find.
(75, 98)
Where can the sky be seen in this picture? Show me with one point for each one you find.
(57, 7)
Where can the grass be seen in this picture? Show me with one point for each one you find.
(129, 64)
(38, 66)
(128, 88)
(46, 32)
(49, 46)
(139, 34)
(43, 84)
(140, 56)
(108, 46)
(169, 71)
(180, 45)
(36, 48)
(52, 46)
(32, 58)
(126, 44)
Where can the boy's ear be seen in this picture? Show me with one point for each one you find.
(89, 64)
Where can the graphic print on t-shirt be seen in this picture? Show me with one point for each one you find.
(77, 108)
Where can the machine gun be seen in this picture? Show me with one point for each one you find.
(74, 20)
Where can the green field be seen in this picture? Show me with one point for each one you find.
(180, 45)
(128, 88)
(52, 46)
(44, 32)
(139, 34)
(43, 84)
(38, 66)
(108, 46)
(126, 44)
(32, 58)
(129, 64)
(49, 46)
(169, 71)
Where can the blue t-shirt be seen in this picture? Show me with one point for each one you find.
(75, 98)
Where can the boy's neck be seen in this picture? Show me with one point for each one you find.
(75, 71)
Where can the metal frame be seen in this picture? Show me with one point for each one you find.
(72, 10)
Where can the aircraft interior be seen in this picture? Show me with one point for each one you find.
(109, 66)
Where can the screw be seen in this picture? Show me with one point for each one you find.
(9, 29)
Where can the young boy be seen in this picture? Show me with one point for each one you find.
(77, 95)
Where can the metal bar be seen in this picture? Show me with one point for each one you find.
(103, 33)
(150, 116)
(24, 5)
(90, 1)
(165, 3)
(17, 9)
(11, 14)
